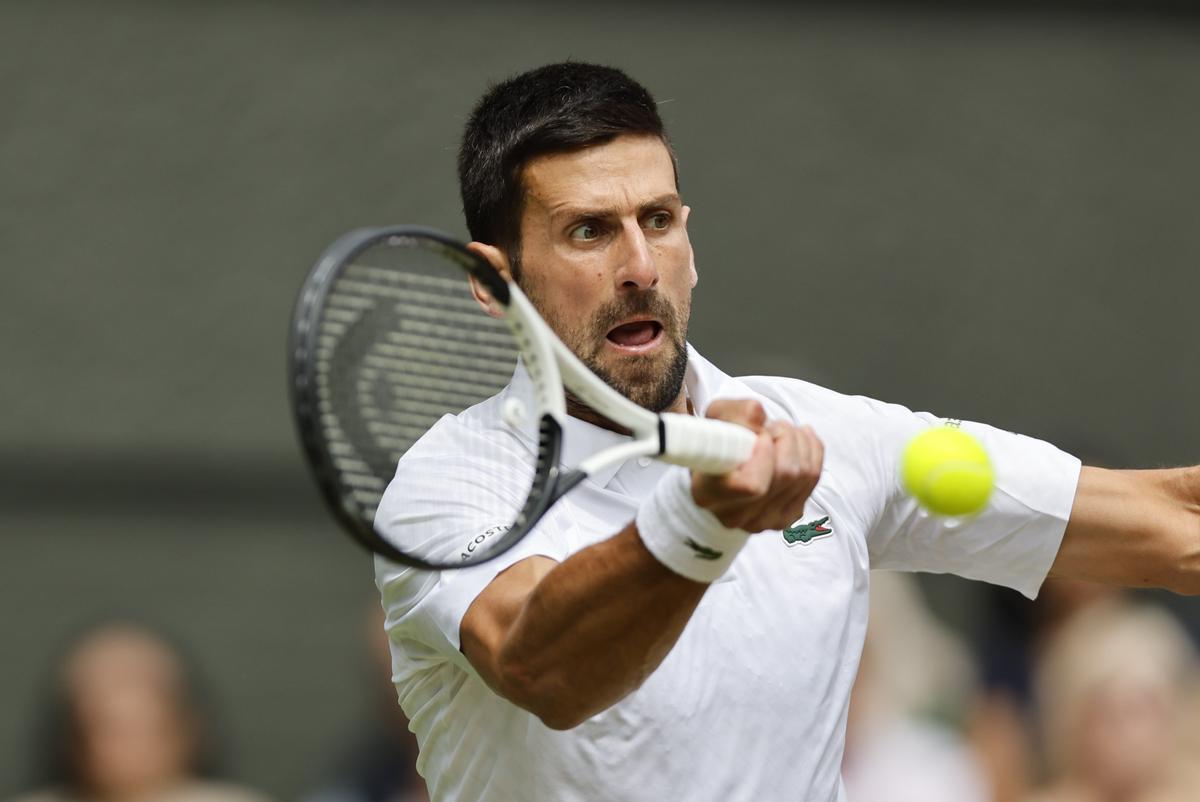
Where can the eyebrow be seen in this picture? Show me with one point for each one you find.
(584, 212)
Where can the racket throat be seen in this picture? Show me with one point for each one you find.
(567, 481)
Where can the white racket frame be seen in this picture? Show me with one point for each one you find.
(706, 445)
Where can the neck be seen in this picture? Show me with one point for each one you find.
(580, 410)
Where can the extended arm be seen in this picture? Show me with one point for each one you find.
(568, 640)
(1137, 528)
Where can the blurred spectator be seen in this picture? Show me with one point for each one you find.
(126, 725)
(1014, 632)
(914, 677)
(380, 765)
(1111, 686)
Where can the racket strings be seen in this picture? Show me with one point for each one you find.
(401, 343)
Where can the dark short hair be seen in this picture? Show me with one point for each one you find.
(553, 109)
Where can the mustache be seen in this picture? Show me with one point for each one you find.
(648, 304)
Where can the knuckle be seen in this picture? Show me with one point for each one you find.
(748, 486)
(810, 478)
(719, 408)
(745, 411)
(732, 485)
(790, 473)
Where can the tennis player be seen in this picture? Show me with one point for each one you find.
(602, 660)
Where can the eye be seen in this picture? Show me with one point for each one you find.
(585, 232)
(659, 221)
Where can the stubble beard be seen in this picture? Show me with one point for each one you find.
(653, 381)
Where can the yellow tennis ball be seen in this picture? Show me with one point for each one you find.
(947, 471)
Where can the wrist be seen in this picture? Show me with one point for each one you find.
(683, 536)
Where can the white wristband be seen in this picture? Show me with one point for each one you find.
(684, 537)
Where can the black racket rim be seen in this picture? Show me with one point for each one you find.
(549, 483)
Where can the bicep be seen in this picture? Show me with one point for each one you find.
(1126, 528)
(492, 614)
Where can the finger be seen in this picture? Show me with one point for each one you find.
(744, 411)
(814, 451)
(787, 448)
(799, 455)
(734, 496)
(790, 482)
(810, 463)
(752, 478)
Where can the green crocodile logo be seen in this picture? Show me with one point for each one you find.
(806, 533)
(703, 552)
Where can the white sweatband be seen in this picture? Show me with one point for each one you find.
(682, 536)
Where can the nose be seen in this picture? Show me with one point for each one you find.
(637, 269)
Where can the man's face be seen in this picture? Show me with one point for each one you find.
(606, 260)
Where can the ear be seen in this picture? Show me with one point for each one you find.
(687, 212)
(498, 260)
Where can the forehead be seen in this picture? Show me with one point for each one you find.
(617, 174)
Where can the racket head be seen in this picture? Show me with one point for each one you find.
(387, 338)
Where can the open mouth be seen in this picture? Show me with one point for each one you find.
(637, 335)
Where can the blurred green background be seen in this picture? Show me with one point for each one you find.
(989, 215)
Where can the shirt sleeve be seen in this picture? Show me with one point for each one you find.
(452, 507)
(1012, 542)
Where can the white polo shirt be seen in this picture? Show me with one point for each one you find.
(751, 702)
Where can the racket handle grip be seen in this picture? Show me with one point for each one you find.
(704, 444)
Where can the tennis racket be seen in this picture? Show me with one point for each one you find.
(389, 336)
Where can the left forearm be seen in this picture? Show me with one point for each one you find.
(1136, 528)
(1182, 486)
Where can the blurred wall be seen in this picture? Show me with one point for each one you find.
(988, 215)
